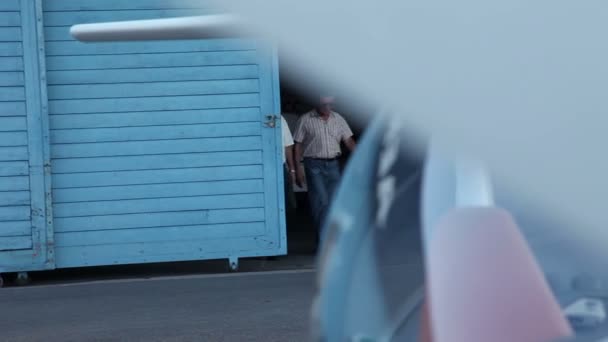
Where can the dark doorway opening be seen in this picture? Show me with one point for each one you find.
(297, 98)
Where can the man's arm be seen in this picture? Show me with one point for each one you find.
(298, 138)
(300, 179)
(298, 152)
(287, 144)
(290, 160)
(350, 144)
(347, 136)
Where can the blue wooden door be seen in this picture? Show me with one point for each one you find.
(26, 239)
(160, 150)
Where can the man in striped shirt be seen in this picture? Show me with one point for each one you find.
(318, 136)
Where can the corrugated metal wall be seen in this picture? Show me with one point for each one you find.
(158, 149)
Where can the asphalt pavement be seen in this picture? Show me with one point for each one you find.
(263, 306)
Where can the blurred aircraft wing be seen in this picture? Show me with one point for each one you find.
(519, 85)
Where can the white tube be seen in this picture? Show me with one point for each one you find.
(195, 27)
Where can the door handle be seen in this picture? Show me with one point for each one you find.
(271, 121)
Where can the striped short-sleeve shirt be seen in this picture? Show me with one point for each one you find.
(321, 138)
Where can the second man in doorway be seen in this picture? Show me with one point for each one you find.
(289, 164)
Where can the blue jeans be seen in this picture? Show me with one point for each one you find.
(322, 178)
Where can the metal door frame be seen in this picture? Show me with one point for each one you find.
(270, 105)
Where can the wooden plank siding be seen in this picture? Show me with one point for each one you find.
(15, 223)
(156, 143)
